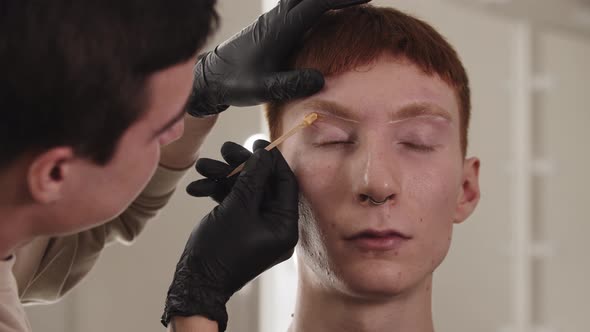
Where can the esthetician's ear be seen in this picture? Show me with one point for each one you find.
(47, 174)
(469, 194)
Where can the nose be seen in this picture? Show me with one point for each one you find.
(377, 175)
(369, 200)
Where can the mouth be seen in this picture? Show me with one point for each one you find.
(378, 240)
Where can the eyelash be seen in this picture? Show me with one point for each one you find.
(418, 147)
(409, 145)
(335, 143)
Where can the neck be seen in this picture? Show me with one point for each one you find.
(407, 312)
(16, 218)
(14, 230)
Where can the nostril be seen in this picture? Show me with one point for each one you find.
(392, 196)
(367, 199)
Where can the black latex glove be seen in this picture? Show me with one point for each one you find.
(248, 68)
(252, 229)
(216, 184)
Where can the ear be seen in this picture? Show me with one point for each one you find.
(469, 194)
(47, 174)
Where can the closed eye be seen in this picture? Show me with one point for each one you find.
(418, 147)
(334, 143)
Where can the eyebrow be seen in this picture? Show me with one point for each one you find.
(334, 109)
(408, 111)
(418, 109)
(172, 121)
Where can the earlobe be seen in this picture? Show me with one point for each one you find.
(47, 174)
(469, 194)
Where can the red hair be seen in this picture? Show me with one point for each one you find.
(355, 36)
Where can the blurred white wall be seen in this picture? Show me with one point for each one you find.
(562, 117)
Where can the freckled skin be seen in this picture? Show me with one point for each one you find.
(427, 186)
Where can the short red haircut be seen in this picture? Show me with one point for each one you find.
(355, 36)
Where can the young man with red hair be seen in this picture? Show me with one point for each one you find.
(382, 173)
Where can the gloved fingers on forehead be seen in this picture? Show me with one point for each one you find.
(289, 4)
(283, 86)
(339, 4)
(306, 12)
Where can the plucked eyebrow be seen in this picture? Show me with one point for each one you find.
(172, 121)
(412, 110)
(332, 108)
(418, 109)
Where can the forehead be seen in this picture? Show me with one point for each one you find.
(378, 90)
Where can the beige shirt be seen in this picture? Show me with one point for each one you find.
(48, 267)
(12, 315)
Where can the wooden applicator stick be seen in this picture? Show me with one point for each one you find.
(307, 120)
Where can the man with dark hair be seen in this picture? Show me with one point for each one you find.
(90, 92)
(383, 173)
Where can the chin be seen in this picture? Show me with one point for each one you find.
(84, 218)
(86, 224)
(375, 280)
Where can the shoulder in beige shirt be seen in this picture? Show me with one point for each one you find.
(47, 268)
(12, 315)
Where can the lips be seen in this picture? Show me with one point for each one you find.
(378, 240)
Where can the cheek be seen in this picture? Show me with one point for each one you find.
(137, 167)
(432, 196)
(433, 185)
(149, 163)
(320, 183)
(121, 181)
(315, 173)
(321, 179)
